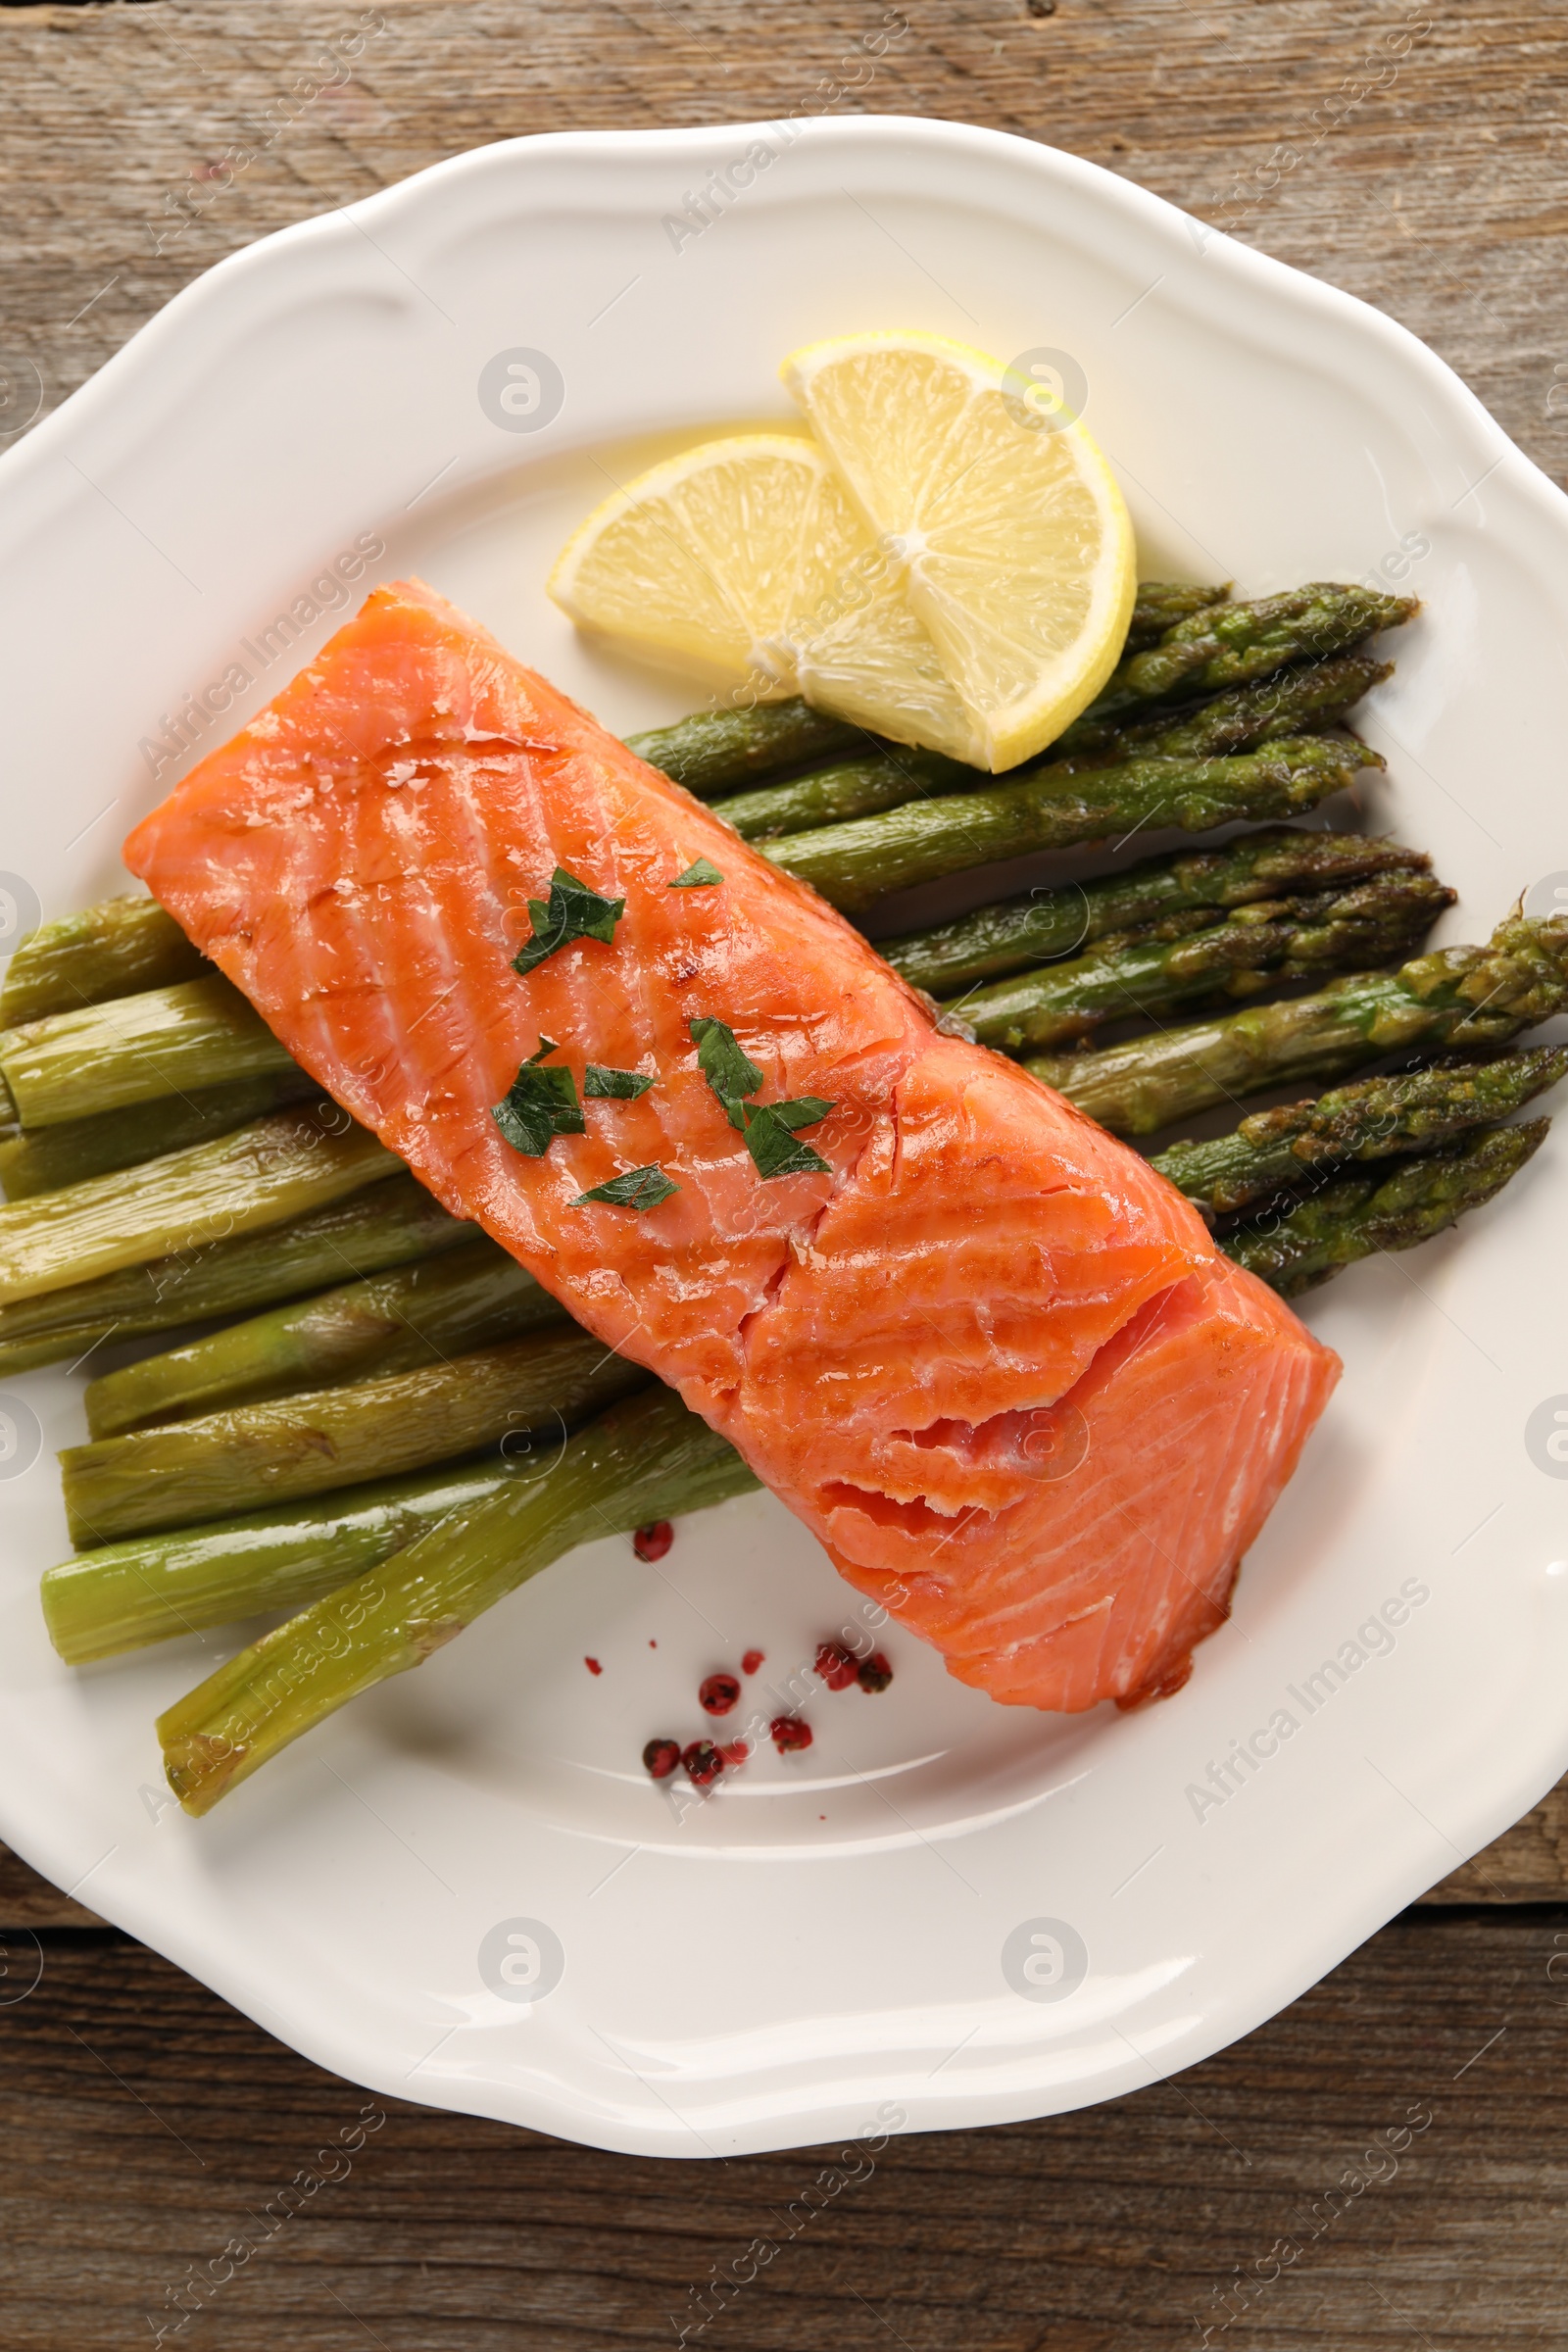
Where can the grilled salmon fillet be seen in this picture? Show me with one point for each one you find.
(989, 1356)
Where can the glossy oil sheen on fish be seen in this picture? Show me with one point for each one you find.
(989, 1356)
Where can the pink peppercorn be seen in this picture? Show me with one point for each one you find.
(702, 1762)
(789, 1731)
(835, 1665)
(661, 1757)
(719, 1693)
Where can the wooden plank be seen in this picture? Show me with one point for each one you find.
(148, 2128)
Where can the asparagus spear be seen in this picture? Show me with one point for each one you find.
(719, 751)
(388, 1224)
(110, 949)
(1192, 958)
(425, 1314)
(122, 1596)
(648, 1459)
(46, 1159)
(1294, 703)
(271, 1170)
(1290, 702)
(261, 1454)
(1358, 1216)
(1230, 644)
(1161, 604)
(1455, 996)
(168, 1041)
(1408, 1112)
(1011, 933)
(155, 1588)
(854, 864)
(857, 787)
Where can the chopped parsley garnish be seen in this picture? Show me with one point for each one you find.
(639, 1188)
(616, 1085)
(700, 876)
(768, 1127)
(770, 1138)
(571, 911)
(731, 1074)
(539, 1104)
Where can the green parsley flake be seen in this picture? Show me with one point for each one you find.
(539, 1104)
(700, 876)
(615, 1086)
(731, 1074)
(571, 911)
(770, 1138)
(639, 1188)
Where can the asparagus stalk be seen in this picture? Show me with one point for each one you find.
(110, 950)
(1292, 702)
(273, 1170)
(1196, 959)
(1408, 1112)
(1230, 644)
(387, 1224)
(830, 796)
(256, 1455)
(168, 1040)
(46, 1159)
(1011, 933)
(721, 751)
(1455, 996)
(122, 1596)
(1295, 703)
(1161, 604)
(1358, 1216)
(648, 1459)
(854, 864)
(425, 1314)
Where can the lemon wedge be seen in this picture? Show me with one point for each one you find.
(744, 561)
(1015, 543)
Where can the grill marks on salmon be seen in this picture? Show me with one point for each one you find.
(907, 1349)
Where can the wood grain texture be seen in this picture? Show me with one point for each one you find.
(145, 2124)
(148, 2128)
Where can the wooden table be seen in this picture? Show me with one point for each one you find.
(143, 2120)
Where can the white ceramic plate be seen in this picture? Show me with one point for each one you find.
(842, 1941)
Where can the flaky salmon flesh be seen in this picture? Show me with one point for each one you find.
(991, 1359)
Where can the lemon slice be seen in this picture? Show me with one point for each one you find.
(1016, 545)
(744, 561)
